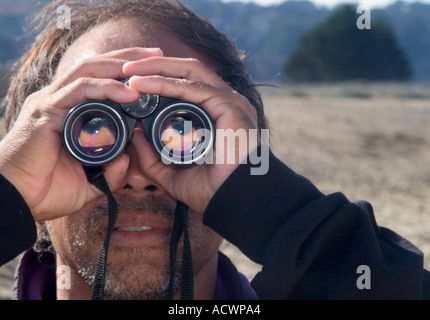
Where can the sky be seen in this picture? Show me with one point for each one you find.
(331, 3)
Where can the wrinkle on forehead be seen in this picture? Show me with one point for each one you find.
(121, 34)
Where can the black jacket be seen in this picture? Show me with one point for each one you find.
(311, 246)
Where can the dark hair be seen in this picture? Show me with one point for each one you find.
(38, 65)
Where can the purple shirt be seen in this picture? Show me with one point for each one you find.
(35, 279)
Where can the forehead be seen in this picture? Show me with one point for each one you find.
(120, 34)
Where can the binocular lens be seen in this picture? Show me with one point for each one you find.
(95, 134)
(178, 131)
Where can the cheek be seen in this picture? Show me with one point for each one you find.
(67, 234)
(57, 229)
(204, 241)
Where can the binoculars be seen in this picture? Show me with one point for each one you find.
(96, 132)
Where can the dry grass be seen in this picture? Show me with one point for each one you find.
(371, 142)
(368, 141)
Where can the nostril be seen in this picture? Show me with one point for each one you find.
(150, 187)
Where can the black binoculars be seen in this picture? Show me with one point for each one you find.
(96, 132)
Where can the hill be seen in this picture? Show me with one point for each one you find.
(267, 35)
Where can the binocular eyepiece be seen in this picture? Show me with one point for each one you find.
(96, 132)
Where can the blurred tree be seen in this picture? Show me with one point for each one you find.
(337, 50)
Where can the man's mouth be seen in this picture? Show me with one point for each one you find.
(134, 229)
(140, 222)
(141, 229)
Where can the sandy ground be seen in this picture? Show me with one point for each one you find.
(369, 142)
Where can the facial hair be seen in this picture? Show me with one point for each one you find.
(122, 280)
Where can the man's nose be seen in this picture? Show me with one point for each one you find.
(136, 179)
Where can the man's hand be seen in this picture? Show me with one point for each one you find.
(190, 80)
(32, 156)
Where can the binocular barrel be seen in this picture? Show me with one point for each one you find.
(96, 132)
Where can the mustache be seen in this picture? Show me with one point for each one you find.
(99, 214)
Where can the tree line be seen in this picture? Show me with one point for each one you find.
(271, 36)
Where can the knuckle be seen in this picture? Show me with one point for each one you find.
(128, 50)
(84, 67)
(193, 61)
(193, 64)
(238, 98)
(245, 101)
(81, 82)
(244, 104)
(107, 85)
(111, 83)
(32, 97)
(84, 63)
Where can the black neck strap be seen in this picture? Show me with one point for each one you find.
(180, 226)
(96, 177)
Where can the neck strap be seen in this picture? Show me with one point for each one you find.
(96, 177)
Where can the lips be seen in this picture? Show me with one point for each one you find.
(134, 229)
(141, 228)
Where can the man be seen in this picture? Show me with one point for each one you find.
(309, 244)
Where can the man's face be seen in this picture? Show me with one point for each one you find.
(138, 260)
